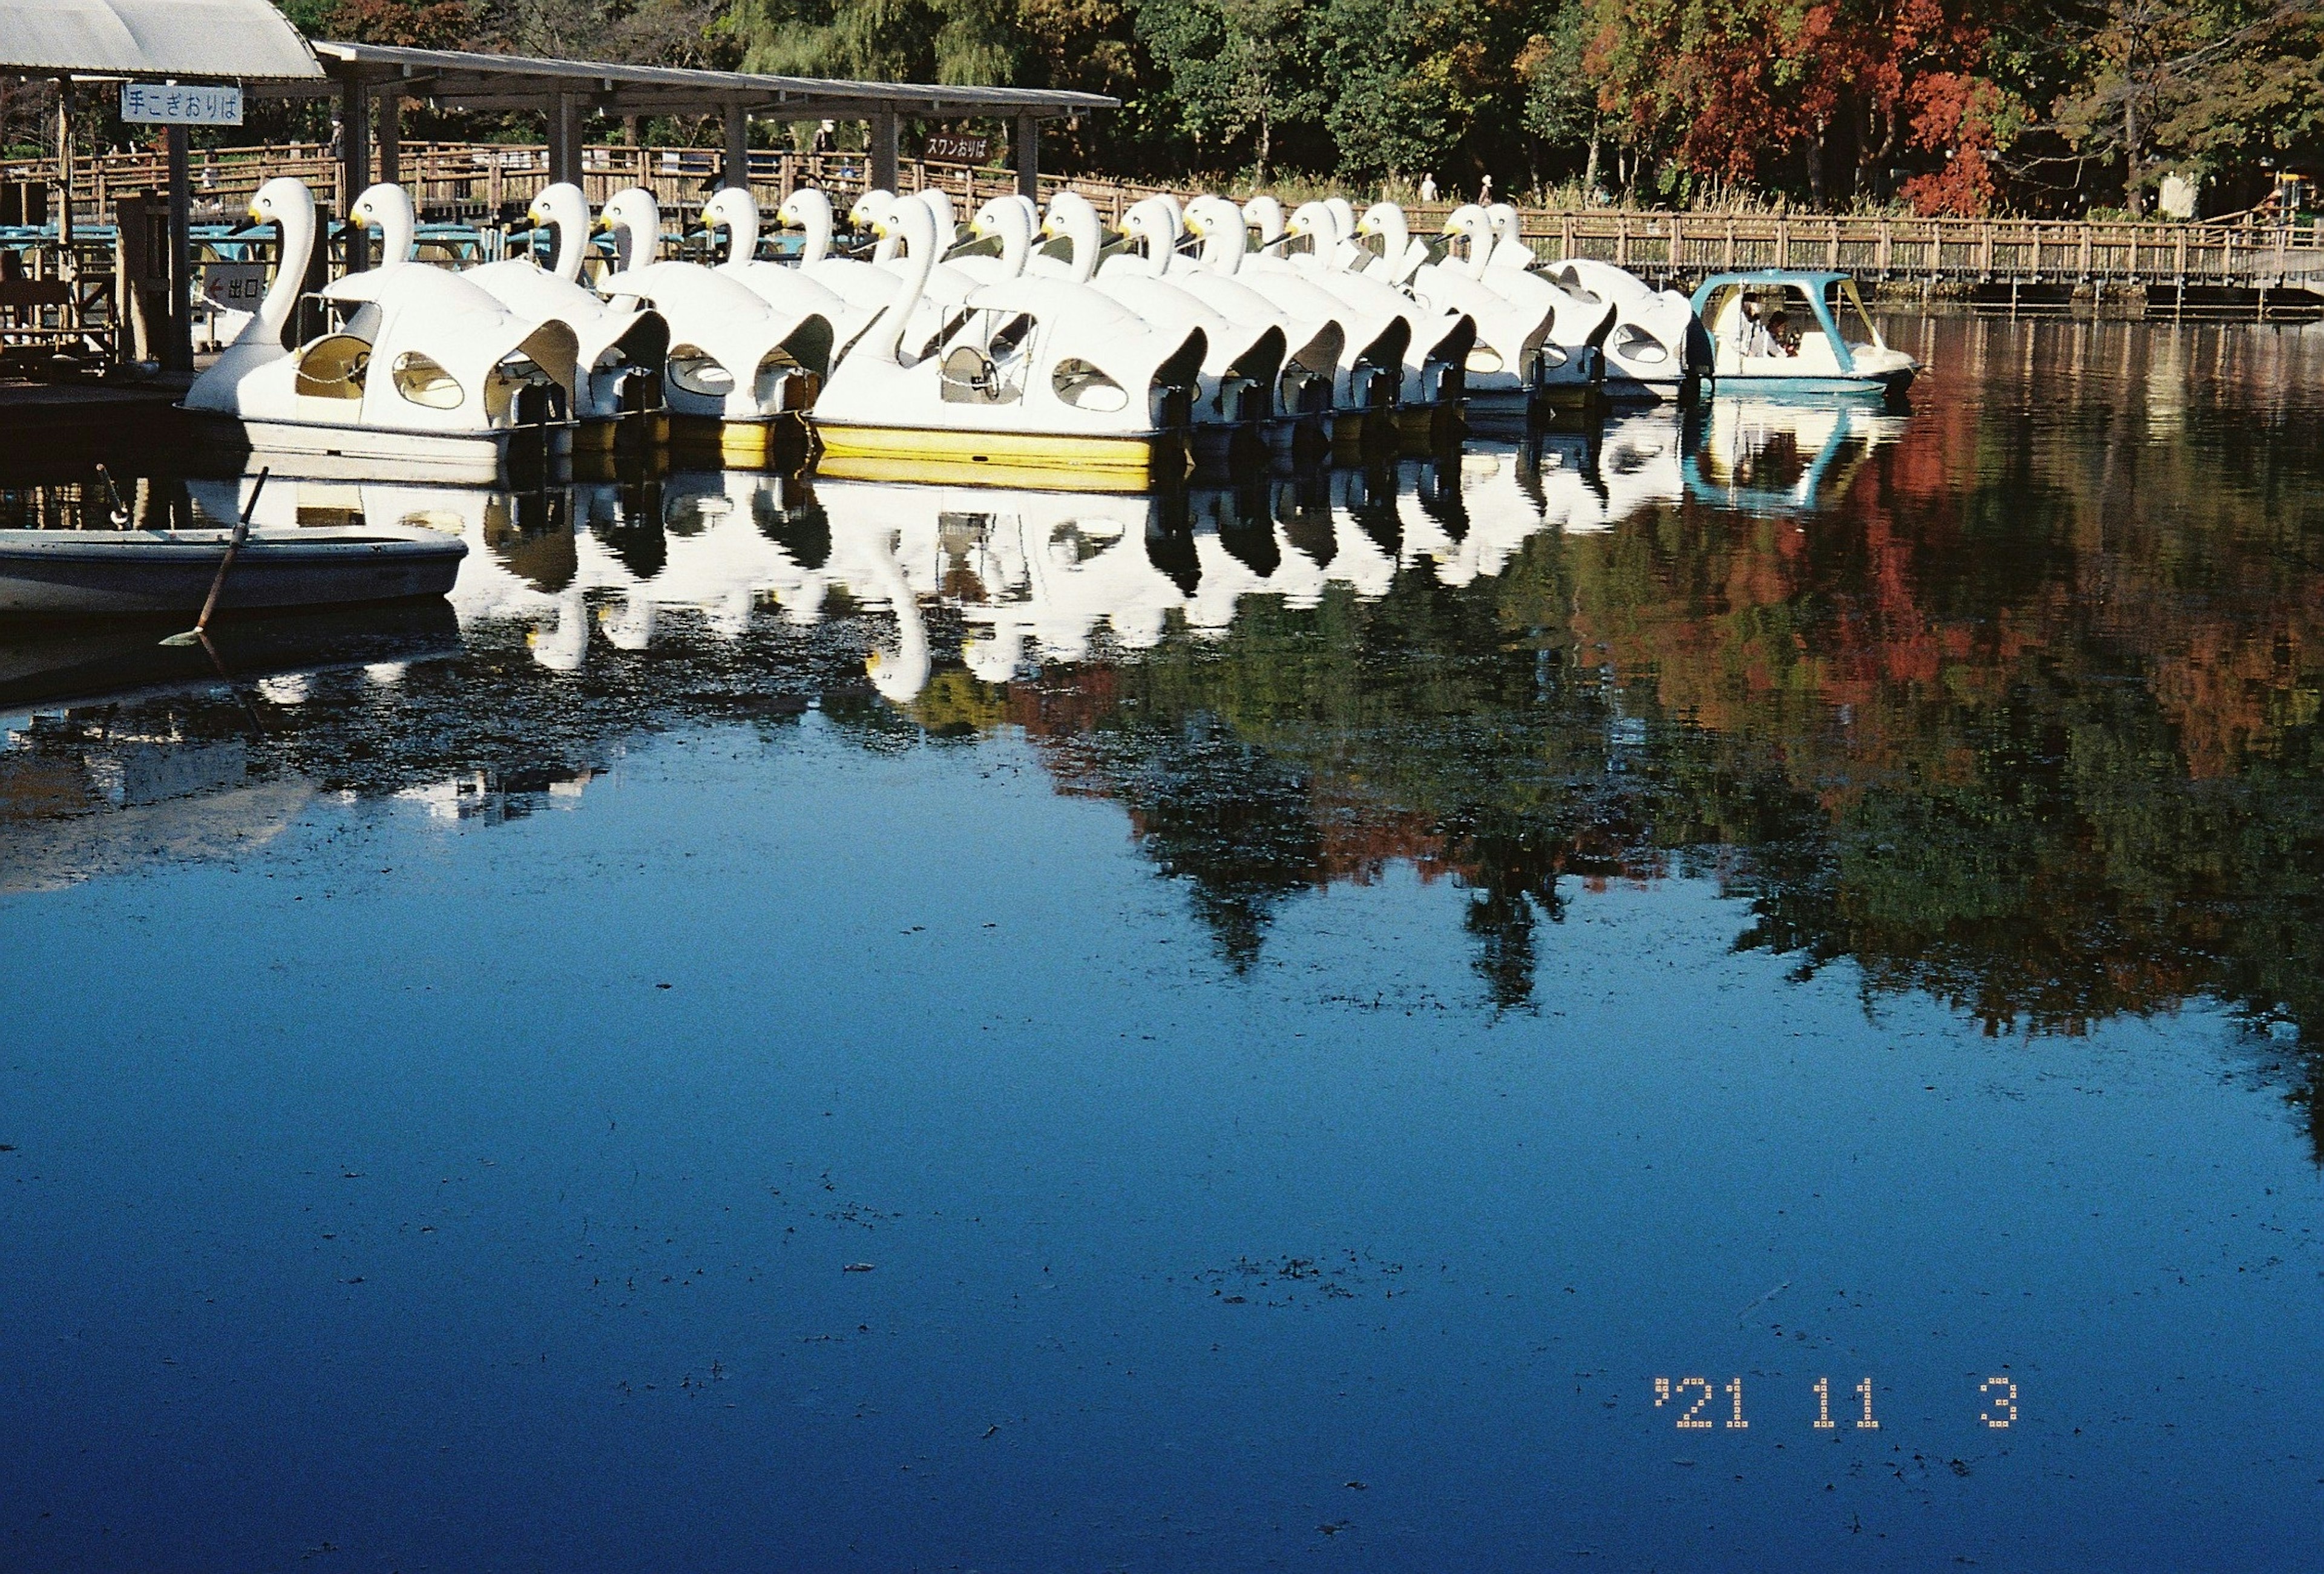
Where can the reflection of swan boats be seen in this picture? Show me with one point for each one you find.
(1022, 565)
(1764, 456)
(1641, 462)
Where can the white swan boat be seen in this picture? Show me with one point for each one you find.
(1656, 350)
(1536, 343)
(1436, 354)
(1060, 387)
(619, 349)
(741, 370)
(428, 373)
(1234, 389)
(1368, 378)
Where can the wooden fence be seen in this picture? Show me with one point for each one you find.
(489, 182)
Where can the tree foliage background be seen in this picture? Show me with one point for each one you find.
(1946, 106)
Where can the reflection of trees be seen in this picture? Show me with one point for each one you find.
(2030, 726)
(2028, 721)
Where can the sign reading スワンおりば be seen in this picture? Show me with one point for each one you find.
(957, 150)
(171, 104)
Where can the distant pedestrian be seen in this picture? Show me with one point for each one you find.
(1428, 188)
(1485, 192)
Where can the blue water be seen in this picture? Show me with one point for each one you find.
(429, 1194)
(856, 1028)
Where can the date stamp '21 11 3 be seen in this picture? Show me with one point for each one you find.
(1693, 1400)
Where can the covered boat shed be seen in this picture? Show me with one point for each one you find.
(250, 43)
(369, 78)
(189, 42)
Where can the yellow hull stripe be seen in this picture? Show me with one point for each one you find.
(1051, 459)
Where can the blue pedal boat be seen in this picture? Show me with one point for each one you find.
(1825, 344)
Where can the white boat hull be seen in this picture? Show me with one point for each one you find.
(329, 450)
(150, 573)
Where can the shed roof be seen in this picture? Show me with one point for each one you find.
(461, 79)
(191, 41)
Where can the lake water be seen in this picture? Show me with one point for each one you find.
(1351, 1023)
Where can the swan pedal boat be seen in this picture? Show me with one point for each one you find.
(1049, 386)
(152, 572)
(465, 385)
(1841, 351)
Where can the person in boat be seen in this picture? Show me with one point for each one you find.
(1753, 338)
(1781, 337)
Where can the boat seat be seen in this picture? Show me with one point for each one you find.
(335, 367)
(969, 375)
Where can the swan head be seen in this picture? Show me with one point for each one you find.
(996, 217)
(1467, 219)
(1314, 222)
(1344, 215)
(867, 208)
(280, 199)
(388, 206)
(564, 207)
(635, 212)
(940, 209)
(1157, 222)
(1065, 208)
(901, 218)
(738, 210)
(805, 208)
(1382, 219)
(1504, 220)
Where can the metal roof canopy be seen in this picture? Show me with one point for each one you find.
(184, 40)
(191, 41)
(461, 79)
(567, 90)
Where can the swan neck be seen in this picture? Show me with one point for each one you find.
(1080, 228)
(1016, 242)
(296, 229)
(900, 306)
(814, 219)
(741, 211)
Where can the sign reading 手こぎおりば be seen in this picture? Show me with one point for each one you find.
(169, 103)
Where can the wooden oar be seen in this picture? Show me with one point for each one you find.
(193, 636)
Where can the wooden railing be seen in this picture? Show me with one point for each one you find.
(486, 182)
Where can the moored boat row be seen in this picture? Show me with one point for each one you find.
(1040, 348)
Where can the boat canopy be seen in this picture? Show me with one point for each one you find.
(186, 41)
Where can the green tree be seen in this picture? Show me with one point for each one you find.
(2168, 82)
(1236, 68)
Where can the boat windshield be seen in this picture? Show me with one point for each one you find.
(1848, 316)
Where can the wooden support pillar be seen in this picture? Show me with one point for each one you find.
(178, 341)
(65, 171)
(883, 150)
(565, 140)
(1029, 157)
(354, 157)
(738, 148)
(390, 100)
